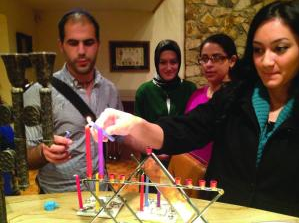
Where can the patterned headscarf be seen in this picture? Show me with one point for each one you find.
(162, 46)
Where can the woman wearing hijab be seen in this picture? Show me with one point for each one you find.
(166, 94)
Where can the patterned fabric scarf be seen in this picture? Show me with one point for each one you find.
(260, 101)
(167, 85)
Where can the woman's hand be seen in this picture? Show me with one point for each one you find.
(116, 122)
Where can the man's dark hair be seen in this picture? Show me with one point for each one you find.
(77, 14)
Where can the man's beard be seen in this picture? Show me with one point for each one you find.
(82, 70)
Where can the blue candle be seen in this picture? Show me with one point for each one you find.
(146, 192)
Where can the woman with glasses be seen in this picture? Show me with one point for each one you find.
(166, 94)
(253, 122)
(217, 57)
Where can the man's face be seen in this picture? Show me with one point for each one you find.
(80, 47)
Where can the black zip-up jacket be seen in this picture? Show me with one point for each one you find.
(229, 120)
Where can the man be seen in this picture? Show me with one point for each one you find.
(57, 164)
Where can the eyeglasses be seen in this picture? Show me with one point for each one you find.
(216, 58)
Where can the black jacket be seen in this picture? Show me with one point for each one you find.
(230, 121)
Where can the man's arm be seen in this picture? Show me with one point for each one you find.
(39, 154)
(35, 157)
(42, 154)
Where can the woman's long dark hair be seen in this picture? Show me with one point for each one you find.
(224, 41)
(287, 11)
(228, 46)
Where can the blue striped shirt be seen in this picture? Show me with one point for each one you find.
(55, 178)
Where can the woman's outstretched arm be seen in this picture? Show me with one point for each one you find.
(116, 122)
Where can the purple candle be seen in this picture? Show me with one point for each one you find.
(100, 152)
(158, 199)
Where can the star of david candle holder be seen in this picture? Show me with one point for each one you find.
(175, 206)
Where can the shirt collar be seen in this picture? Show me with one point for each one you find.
(69, 79)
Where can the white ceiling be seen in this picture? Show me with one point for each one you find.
(97, 5)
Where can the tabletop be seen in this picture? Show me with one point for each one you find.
(30, 209)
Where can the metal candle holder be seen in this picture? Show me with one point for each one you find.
(7, 159)
(15, 65)
(43, 63)
(7, 164)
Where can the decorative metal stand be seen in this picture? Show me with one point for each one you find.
(43, 63)
(7, 164)
(172, 191)
(15, 65)
(7, 161)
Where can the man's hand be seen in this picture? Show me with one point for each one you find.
(58, 151)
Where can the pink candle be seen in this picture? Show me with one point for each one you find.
(141, 192)
(79, 192)
(88, 153)
(111, 178)
(100, 152)
(213, 184)
(202, 183)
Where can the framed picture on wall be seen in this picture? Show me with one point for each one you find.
(129, 56)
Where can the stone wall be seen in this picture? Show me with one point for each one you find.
(206, 17)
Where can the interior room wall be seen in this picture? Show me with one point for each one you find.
(20, 18)
(4, 47)
(15, 17)
(166, 23)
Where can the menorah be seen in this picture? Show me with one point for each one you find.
(15, 64)
(179, 206)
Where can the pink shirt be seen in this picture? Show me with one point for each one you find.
(197, 98)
